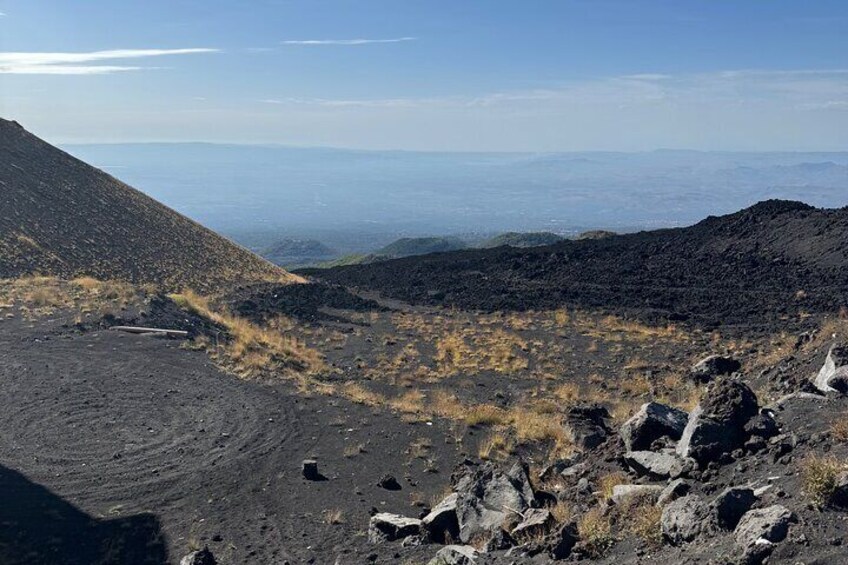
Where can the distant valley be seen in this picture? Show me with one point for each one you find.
(356, 202)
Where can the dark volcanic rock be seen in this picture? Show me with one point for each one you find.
(455, 555)
(309, 469)
(684, 519)
(388, 482)
(587, 425)
(488, 497)
(731, 505)
(202, 557)
(441, 522)
(707, 369)
(390, 527)
(759, 530)
(652, 422)
(717, 425)
(739, 270)
(656, 465)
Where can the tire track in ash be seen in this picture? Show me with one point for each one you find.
(116, 419)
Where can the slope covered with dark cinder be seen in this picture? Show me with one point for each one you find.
(770, 263)
(60, 216)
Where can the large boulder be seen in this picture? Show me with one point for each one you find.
(455, 555)
(717, 425)
(587, 425)
(656, 465)
(759, 530)
(708, 368)
(684, 519)
(441, 523)
(731, 504)
(652, 422)
(833, 376)
(488, 496)
(390, 527)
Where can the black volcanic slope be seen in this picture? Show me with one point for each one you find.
(60, 216)
(768, 263)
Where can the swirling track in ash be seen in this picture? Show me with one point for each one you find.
(109, 424)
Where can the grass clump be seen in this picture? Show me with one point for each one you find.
(820, 478)
(595, 531)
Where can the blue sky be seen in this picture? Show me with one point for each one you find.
(486, 75)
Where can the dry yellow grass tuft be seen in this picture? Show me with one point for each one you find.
(819, 475)
(254, 350)
(607, 483)
(595, 530)
(839, 428)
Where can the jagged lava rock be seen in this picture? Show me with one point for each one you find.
(731, 504)
(587, 425)
(652, 422)
(759, 530)
(656, 465)
(455, 555)
(717, 425)
(488, 496)
(390, 527)
(202, 557)
(707, 369)
(442, 522)
(684, 519)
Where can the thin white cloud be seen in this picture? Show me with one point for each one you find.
(75, 63)
(802, 89)
(346, 41)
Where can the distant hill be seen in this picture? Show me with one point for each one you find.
(404, 247)
(296, 252)
(595, 234)
(410, 246)
(62, 217)
(766, 267)
(522, 239)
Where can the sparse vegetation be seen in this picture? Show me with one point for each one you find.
(819, 474)
(595, 530)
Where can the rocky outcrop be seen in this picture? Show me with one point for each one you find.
(652, 422)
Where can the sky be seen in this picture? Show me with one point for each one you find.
(445, 75)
